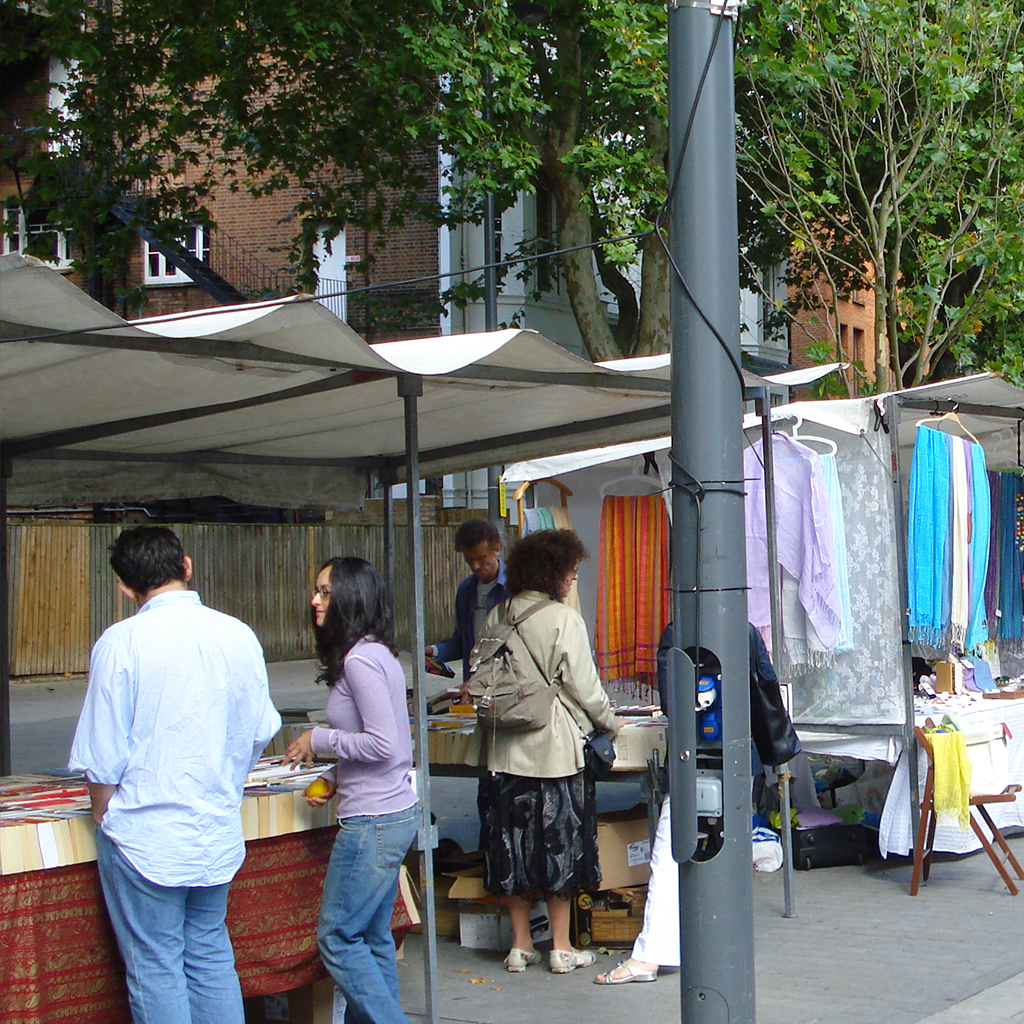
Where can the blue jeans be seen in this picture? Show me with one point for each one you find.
(175, 945)
(354, 931)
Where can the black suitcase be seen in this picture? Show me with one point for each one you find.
(831, 846)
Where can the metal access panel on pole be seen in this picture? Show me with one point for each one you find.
(709, 765)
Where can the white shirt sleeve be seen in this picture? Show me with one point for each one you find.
(100, 747)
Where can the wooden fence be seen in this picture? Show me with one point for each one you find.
(63, 593)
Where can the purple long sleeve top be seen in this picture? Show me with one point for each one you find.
(368, 731)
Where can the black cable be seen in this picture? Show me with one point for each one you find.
(671, 196)
(694, 487)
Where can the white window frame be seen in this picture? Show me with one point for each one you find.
(156, 269)
(17, 240)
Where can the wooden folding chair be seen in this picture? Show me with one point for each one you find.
(926, 829)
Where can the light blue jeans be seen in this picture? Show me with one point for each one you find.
(354, 931)
(175, 945)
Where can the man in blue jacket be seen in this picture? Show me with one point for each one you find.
(479, 543)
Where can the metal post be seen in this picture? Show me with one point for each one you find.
(5, 640)
(708, 563)
(387, 482)
(410, 388)
(892, 421)
(491, 324)
(775, 606)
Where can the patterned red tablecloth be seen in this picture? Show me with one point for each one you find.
(59, 961)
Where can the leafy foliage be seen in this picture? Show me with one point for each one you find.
(169, 102)
(881, 143)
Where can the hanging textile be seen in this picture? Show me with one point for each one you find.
(844, 638)
(1011, 563)
(949, 542)
(928, 532)
(633, 588)
(981, 516)
(539, 519)
(805, 544)
(960, 597)
(992, 576)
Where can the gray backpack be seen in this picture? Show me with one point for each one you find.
(507, 685)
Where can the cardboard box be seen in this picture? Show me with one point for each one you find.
(636, 743)
(624, 848)
(949, 677)
(446, 911)
(469, 885)
(319, 1003)
(483, 927)
(611, 918)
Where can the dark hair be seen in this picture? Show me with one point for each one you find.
(476, 531)
(359, 606)
(542, 560)
(147, 557)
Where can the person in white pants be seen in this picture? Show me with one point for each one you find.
(658, 941)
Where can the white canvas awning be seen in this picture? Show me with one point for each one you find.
(276, 398)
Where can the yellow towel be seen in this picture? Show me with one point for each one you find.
(952, 776)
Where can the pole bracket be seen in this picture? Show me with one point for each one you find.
(724, 8)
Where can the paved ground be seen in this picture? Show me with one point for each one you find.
(860, 951)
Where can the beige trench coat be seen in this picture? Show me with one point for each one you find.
(557, 638)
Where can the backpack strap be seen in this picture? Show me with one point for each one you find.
(533, 609)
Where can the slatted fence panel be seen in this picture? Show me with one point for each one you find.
(52, 607)
(63, 593)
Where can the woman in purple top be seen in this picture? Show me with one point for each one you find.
(368, 732)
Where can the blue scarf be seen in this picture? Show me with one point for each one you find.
(928, 538)
(1011, 562)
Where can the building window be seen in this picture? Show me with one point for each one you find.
(332, 261)
(858, 344)
(547, 268)
(856, 297)
(35, 237)
(159, 271)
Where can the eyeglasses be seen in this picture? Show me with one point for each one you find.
(324, 592)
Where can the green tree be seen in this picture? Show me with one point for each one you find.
(880, 147)
(170, 102)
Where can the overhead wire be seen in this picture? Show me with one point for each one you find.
(341, 293)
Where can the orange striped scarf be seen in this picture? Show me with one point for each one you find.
(633, 595)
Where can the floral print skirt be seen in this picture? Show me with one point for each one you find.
(541, 836)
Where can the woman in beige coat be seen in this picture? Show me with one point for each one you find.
(540, 824)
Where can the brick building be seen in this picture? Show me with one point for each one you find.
(846, 327)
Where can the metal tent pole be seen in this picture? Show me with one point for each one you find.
(387, 481)
(775, 604)
(892, 422)
(410, 388)
(708, 563)
(5, 640)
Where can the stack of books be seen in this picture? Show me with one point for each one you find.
(46, 819)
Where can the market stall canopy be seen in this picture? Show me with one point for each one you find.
(987, 406)
(276, 398)
(568, 462)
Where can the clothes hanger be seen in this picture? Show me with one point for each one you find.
(804, 438)
(952, 416)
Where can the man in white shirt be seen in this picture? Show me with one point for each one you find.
(177, 711)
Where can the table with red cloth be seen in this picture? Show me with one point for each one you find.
(59, 959)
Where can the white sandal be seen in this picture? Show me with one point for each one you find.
(519, 959)
(632, 974)
(563, 961)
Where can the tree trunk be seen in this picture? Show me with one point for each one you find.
(654, 295)
(580, 280)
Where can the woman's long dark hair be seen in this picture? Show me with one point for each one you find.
(359, 606)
